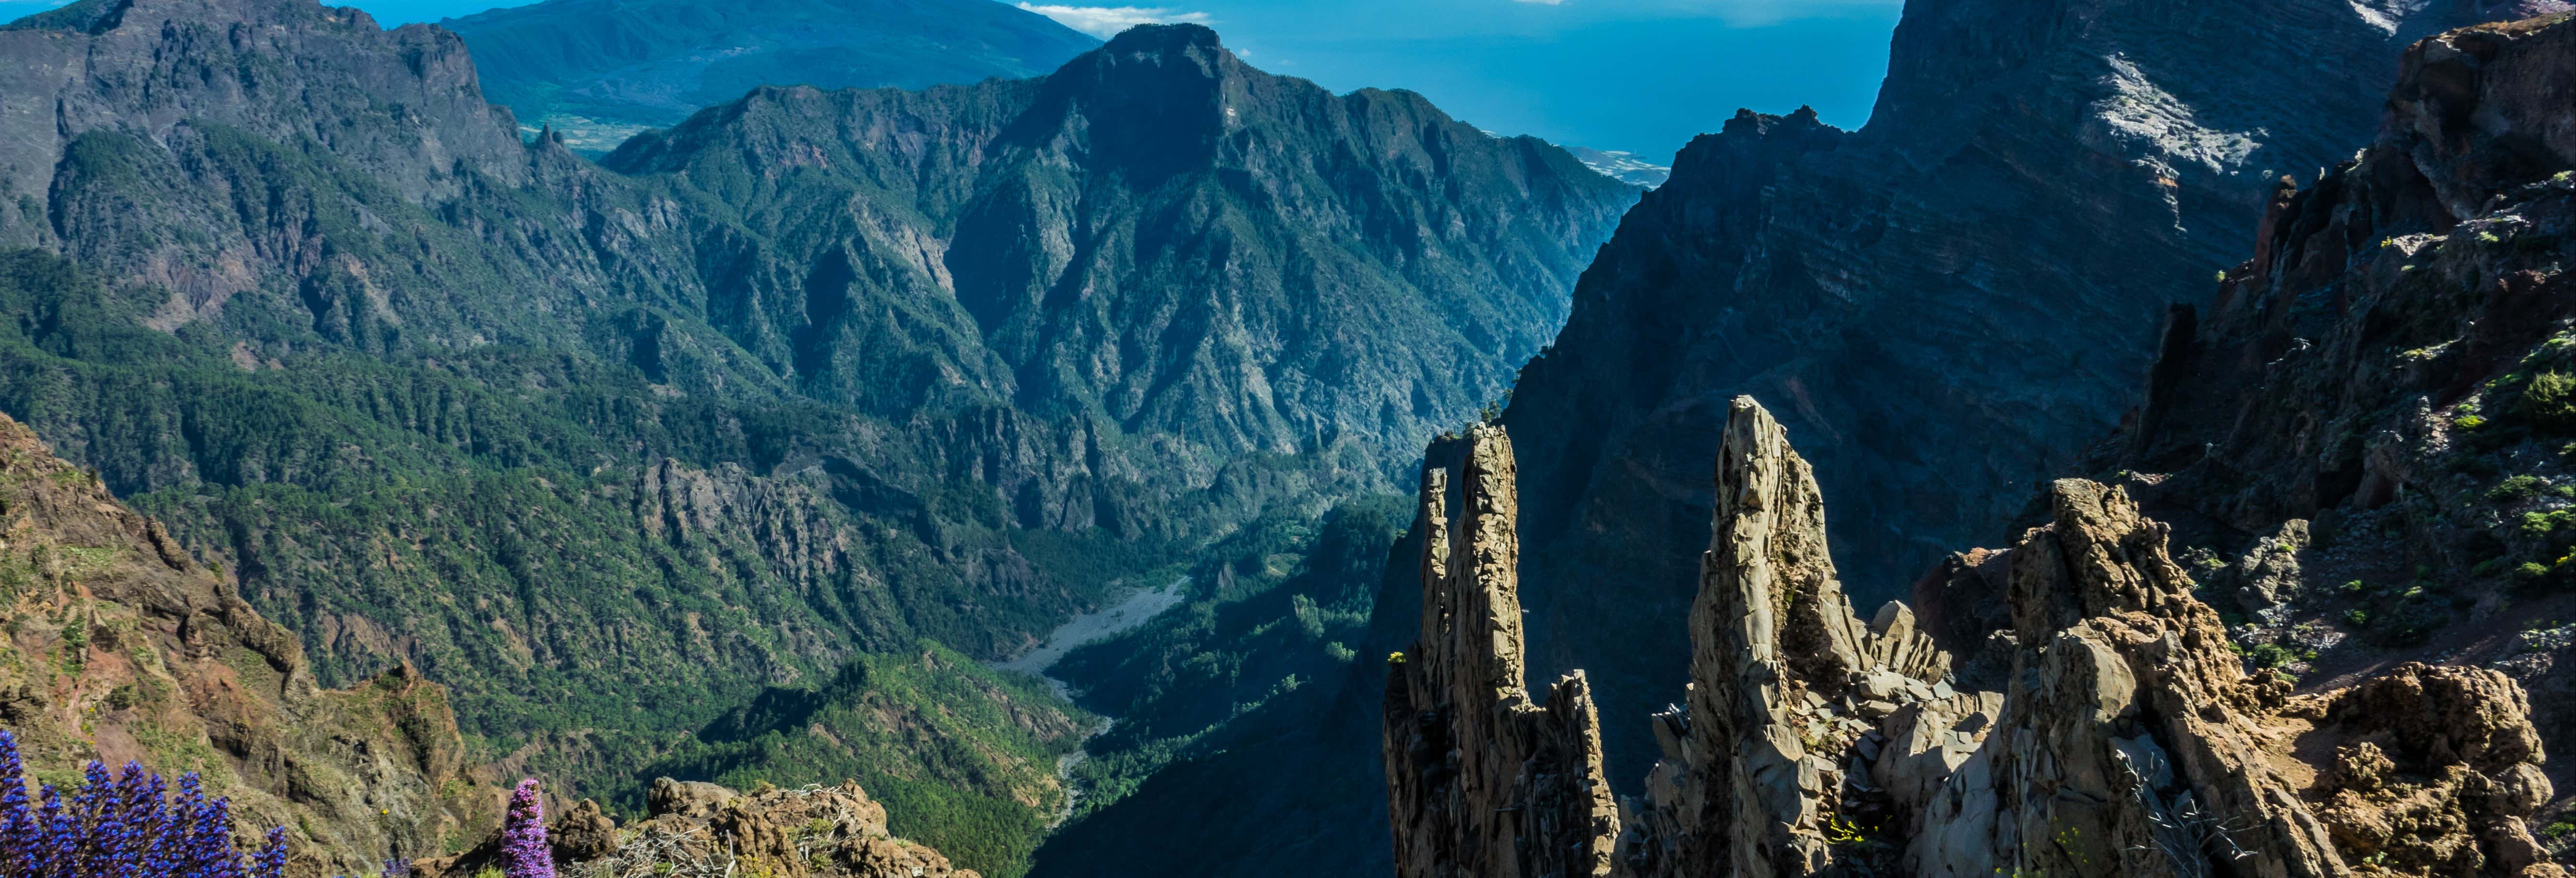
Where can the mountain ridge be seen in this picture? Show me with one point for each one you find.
(601, 71)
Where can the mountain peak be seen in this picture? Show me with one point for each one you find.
(1164, 39)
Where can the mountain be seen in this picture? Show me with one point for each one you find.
(1947, 306)
(1623, 166)
(771, 421)
(2342, 654)
(1157, 236)
(598, 71)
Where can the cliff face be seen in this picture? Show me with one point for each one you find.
(122, 646)
(1946, 305)
(2363, 435)
(2127, 739)
(1482, 779)
(2362, 445)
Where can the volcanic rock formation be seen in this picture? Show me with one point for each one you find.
(2129, 739)
(1946, 306)
(2365, 437)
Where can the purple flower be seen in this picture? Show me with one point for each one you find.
(272, 856)
(18, 833)
(524, 853)
(121, 828)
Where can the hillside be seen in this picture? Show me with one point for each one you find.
(598, 71)
(2364, 437)
(121, 646)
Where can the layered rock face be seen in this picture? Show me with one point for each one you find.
(1946, 306)
(2127, 739)
(1482, 780)
(122, 646)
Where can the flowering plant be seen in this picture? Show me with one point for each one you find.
(125, 827)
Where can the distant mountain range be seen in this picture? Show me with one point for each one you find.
(1622, 165)
(597, 71)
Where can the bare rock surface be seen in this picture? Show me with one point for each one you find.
(2129, 737)
(1482, 779)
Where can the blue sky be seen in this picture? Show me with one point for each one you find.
(1638, 75)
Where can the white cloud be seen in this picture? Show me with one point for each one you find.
(1106, 21)
(1542, 2)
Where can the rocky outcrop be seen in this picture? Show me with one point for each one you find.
(1946, 306)
(2361, 439)
(1786, 679)
(701, 830)
(121, 646)
(1482, 780)
(2128, 737)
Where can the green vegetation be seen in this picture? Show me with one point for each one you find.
(1278, 610)
(2549, 401)
(501, 500)
(964, 757)
(2521, 487)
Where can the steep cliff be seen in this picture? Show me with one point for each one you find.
(1482, 779)
(122, 646)
(2373, 402)
(2128, 739)
(1946, 305)
(2363, 436)
(598, 72)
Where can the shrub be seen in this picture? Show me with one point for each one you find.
(2522, 487)
(2549, 401)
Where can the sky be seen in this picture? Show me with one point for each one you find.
(1635, 75)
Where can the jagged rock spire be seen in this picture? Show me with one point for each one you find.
(1481, 782)
(2130, 741)
(1786, 678)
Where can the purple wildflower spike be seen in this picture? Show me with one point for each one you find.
(524, 852)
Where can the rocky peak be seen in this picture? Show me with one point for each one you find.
(403, 104)
(1481, 780)
(1937, 371)
(2128, 738)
